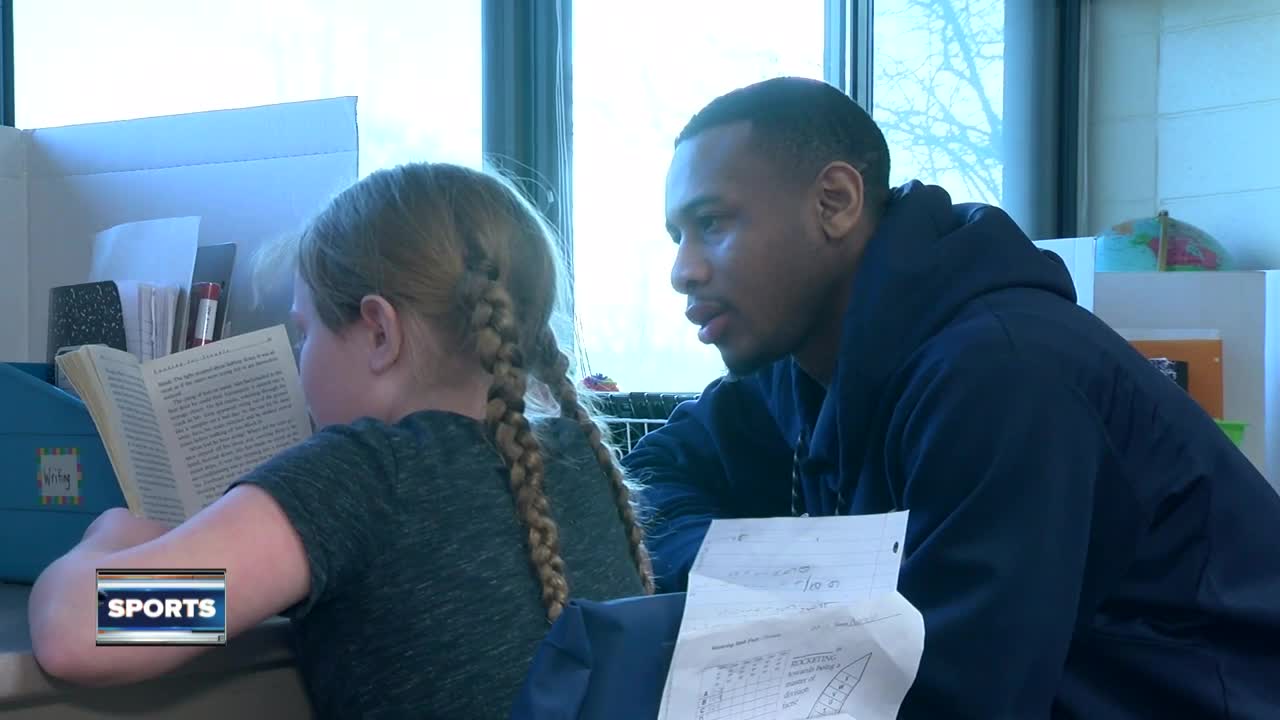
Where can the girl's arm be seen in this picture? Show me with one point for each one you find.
(245, 532)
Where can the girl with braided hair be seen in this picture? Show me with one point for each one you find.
(424, 537)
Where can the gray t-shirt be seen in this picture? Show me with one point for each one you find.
(423, 602)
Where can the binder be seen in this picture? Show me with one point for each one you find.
(55, 478)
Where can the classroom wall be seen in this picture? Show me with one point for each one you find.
(1184, 115)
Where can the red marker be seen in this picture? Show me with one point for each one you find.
(205, 296)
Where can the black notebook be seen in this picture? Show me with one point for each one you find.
(85, 314)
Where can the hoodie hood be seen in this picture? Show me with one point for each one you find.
(926, 261)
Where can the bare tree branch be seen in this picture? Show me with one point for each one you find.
(933, 102)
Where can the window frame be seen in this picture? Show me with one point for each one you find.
(526, 112)
(527, 125)
(6, 63)
(1072, 17)
(848, 48)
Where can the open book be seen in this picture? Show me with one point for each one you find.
(179, 429)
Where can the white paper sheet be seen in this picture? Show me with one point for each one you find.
(760, 568)
(159, 252)
(855, 662)
(796, 618)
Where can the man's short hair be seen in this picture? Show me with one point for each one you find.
(808, 124)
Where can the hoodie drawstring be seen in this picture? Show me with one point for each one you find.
(796, 500)
(797, 488)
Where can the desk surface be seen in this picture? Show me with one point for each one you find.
(23, 683)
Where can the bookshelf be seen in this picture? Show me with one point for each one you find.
(1241, 308)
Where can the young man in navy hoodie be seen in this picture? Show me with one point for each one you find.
(1083, 541)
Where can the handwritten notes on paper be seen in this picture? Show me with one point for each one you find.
(750, 569)
(796, 618)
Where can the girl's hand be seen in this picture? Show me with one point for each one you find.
(118, 529)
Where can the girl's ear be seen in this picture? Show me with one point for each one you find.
(382, 326)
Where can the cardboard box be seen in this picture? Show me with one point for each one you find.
(251, 175)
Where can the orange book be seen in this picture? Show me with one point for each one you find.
(1204, 367)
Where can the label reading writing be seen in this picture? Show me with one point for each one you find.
(59, 475)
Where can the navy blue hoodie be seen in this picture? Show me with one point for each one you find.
(1083, 541)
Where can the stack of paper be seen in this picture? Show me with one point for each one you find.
(796, 618)
(158, 309)
(152, 264)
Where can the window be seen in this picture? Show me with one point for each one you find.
(414, 64)
(938, 93)
(971, 95)
(639, 74)
(979, 96)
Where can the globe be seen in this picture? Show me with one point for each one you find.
(1160, 244)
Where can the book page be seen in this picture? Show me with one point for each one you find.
(146, 321)
(226, 408)
(164, 336)
(136, 430)
(157, 306)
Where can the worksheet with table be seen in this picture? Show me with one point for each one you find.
(796, 618)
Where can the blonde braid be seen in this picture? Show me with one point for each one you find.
(553, 370)
(493, 326)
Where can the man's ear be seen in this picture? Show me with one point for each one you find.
(384, 330)
(841, 200)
